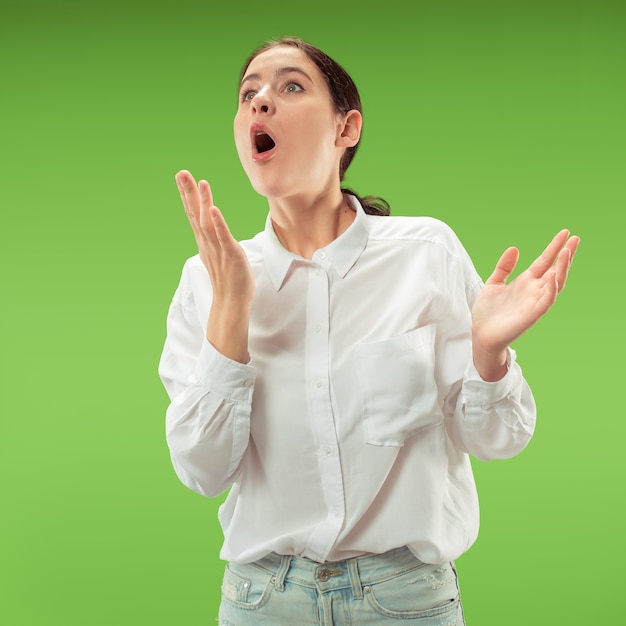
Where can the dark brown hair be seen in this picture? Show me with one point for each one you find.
(345, 97)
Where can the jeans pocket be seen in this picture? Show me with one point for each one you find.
(251, 591)
(428, 594)
(400, 395)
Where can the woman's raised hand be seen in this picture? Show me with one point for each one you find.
(504, 311)
(228, 267)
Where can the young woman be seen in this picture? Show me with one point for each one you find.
(336, 371)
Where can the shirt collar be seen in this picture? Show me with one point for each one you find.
(341, 254)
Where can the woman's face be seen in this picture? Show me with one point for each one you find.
(286, 128)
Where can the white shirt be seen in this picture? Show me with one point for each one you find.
(349, 430)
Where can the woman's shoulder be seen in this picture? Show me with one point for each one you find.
(423, 228)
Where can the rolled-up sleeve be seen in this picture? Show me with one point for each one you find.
(489, 420)
(496, 420)
(208, 418)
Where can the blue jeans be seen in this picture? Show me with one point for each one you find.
(390, 588)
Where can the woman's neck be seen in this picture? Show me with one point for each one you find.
(306, 225)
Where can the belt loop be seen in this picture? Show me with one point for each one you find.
(355, 580)
(285, 562)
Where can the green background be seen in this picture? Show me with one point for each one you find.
(505, 119)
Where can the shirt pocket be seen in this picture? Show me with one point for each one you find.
(397, 378)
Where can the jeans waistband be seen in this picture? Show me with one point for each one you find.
(355, 573)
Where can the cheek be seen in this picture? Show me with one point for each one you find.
(241, 140)
(317, 138)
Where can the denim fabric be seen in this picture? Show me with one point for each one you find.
(390, 588)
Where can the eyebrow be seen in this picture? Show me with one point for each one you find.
(278, 73)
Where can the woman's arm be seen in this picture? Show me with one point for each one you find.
(491, 411)
(208, 419)
(204, 363)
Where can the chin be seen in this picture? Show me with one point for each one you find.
(280, 185)
(271, 189)
(263, 189)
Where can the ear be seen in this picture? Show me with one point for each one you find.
(349, 131)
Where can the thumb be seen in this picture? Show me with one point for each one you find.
(504, 267)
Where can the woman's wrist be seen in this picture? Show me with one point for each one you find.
(490, 363)
(227, 330)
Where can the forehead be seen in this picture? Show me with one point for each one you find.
(268, 62)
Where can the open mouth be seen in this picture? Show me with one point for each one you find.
(263, 142)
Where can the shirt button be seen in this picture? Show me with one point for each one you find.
(317, 328)
(322, 255)
(318, 384)
(326, 450)
(247, 382)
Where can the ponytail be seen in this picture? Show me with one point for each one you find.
(372, 205)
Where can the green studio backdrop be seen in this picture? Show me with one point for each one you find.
(504, 119)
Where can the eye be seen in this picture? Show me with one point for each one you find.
(247, 95)
(293, 87)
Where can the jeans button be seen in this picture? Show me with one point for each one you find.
(323, 575)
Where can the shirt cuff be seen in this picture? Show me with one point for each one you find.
(223, 376)
(485, 393)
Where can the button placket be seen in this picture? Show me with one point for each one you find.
(322, 414)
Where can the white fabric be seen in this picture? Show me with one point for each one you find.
(349, 430)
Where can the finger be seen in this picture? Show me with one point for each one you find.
(189, 193)
(206, 220)
(213, 221)
(181, 191)
(505, 266)
(547, 258)
(183, 178)
(572, 245)
(206, 195)
(550, 291)
(564, 261)
(222, 231)
(561, 268)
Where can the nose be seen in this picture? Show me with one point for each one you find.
(262, 103)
